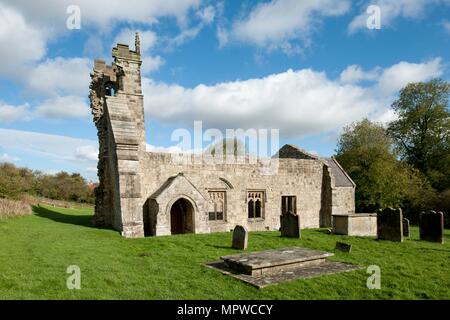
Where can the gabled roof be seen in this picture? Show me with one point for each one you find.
(289, 151)
(341, 178)
(171, 183)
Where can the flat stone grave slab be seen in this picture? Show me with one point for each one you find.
(265, 268)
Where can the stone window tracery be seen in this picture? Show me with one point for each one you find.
(217, 205)
(255, 204)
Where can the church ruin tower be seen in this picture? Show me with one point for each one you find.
(117, 106)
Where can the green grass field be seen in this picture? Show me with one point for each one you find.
(35, 252)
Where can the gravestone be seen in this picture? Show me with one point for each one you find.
(240, 238)
(344, 247)
(405, 228)
(290, 225)
(431, 226)
(390, 224)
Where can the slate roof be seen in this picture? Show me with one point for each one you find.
(340, 176)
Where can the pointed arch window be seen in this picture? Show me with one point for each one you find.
(217, 205)
(255, 204)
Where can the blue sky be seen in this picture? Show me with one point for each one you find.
(305, 67)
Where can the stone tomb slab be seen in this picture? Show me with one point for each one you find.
(265, 268)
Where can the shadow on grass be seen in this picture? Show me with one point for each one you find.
(79, 220)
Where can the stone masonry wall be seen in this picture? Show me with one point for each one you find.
(300, 178)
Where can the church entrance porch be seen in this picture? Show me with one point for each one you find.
(182, 217)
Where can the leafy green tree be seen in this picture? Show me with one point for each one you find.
(15, 182)
(422, 131)
(365, 152)
(228, 146)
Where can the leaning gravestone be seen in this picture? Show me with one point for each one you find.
(390, 224)
(290, 225)
(240, 238)
(405, 228)
(431, 226)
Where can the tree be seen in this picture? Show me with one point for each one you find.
(365, 152)
(226, 147)
(422, 131)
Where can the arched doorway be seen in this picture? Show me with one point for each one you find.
(182, 217)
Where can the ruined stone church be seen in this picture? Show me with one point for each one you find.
(144, 193)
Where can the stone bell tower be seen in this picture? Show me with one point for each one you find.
(117, 105)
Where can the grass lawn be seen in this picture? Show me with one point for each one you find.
(35, 252)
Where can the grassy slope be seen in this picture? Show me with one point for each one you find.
(36, 250)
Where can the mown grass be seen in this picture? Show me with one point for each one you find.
(35, 252)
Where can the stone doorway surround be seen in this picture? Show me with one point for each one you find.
(161, 204)
(182, 217)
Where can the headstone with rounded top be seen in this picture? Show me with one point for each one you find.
(240, 238)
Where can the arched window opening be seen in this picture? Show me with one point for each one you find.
(255, 202)
(251, 209)
(258, 209)
(110, 89)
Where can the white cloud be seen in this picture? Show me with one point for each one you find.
(222, 36)
(207, 14)
(66, 107)
(7, 158)
(299, 102)
(391, 10)
(127, 36)
(148, 40)
(355, 74)
(9, 113)
(150, 64)
(396, 77)
(185, 35)
(88, 152)
(21, 43)
(26, 26)
(104, 13)
(61, 76)
(276, 23)
(173, 149)
(62, 151)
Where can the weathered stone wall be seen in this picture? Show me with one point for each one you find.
(300, 178)
(343, 200)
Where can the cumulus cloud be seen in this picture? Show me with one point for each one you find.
(61, 76)
(355, 74)
(392, 79)
(301, 102)
(9, 113)
(21, 43)
(66, 107)
(276, 23)
(392, 10)
(103, 13)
